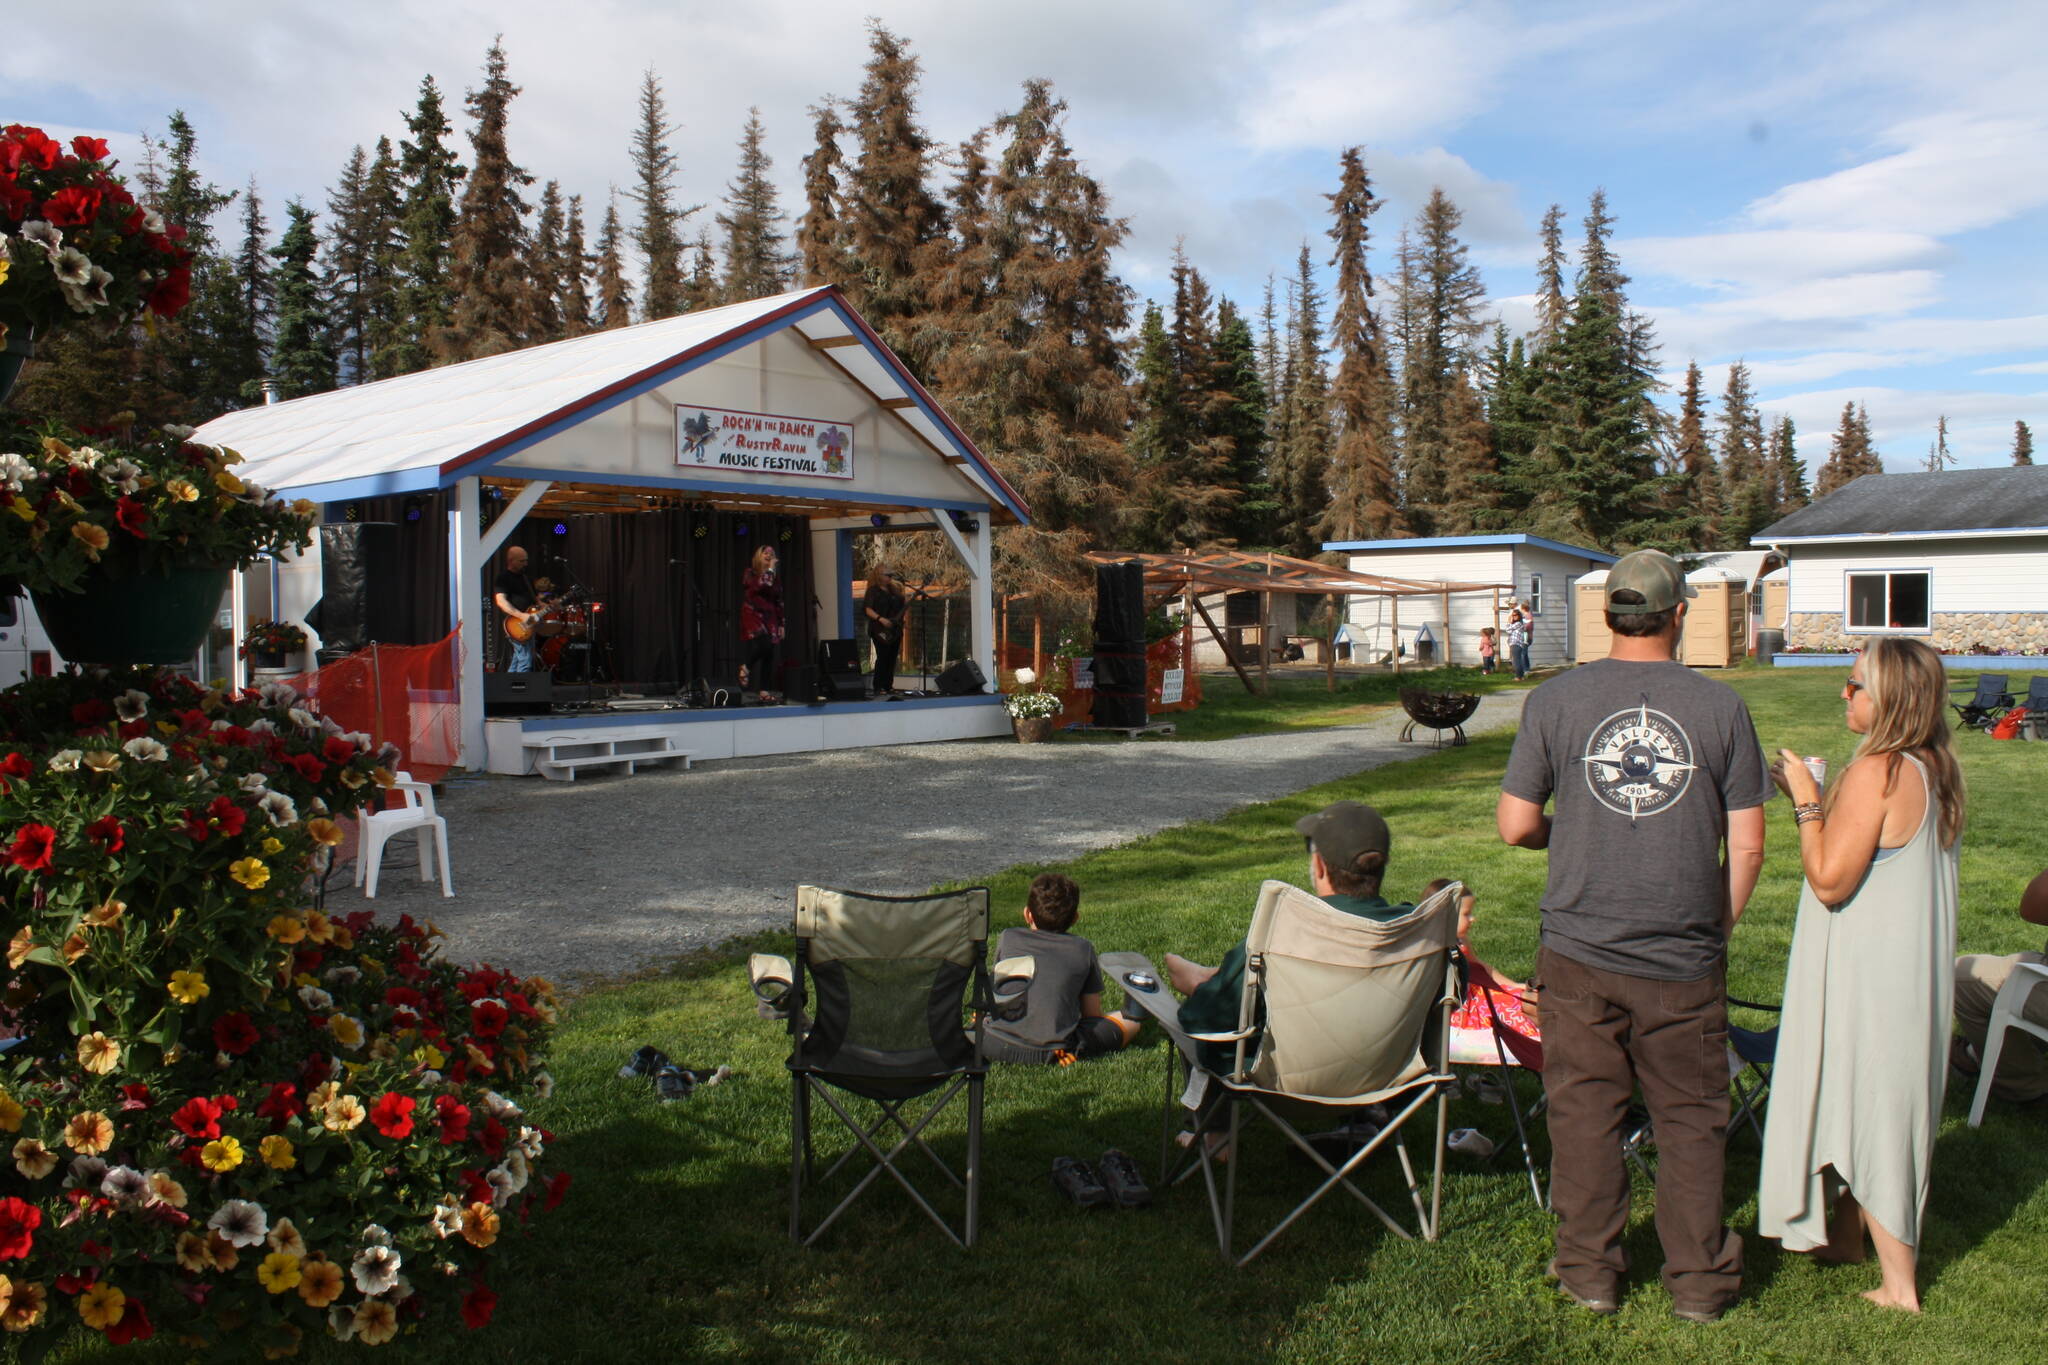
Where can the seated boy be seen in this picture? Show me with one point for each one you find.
(1063, 1018)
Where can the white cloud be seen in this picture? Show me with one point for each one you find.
(1902, 422)
(2028, 367)
(1954, 172)
(1751, 260)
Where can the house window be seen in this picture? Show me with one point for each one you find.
(1535, 602)
(1890, 600)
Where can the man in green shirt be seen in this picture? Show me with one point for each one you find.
(1347, 855)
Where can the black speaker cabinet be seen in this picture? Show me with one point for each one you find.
(518, 694)
(962, 679)
(839, 675)
(360, 587)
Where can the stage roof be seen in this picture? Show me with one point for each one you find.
(428, 430)
(1234, 571)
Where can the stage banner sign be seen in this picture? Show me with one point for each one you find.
(763, 443)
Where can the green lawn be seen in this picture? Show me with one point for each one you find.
(671, 1245)
(1299, 700)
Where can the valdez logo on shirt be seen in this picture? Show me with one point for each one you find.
(1639, 762)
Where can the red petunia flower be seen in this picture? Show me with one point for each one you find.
(198, 1117)
(281, 1103)
(14, 765)
(108, 834)
(225, 814)
(475, 1189)
(491, 1141)
(337, 749)
(487, 1018)
(477, 1306)
(172, 293)
(134, 1324)
(196, 828)
(15, 202)
(557, 1187)
(309, 765)
(134, 1096)
(93, 711)
(34, 847)
(89, 148)
(234, 1034)
(393, 1114)
(133, 517)
(18, 1223)
(453, 1116)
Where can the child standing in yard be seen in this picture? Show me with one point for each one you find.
(1063, 1019)
(1489, 650)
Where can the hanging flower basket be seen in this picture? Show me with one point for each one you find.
(145, 619)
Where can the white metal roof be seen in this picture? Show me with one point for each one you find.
(429, 429)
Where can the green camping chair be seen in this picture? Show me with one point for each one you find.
(877, 1001)
(1338, 1013)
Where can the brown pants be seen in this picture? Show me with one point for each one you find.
(1604, 1033)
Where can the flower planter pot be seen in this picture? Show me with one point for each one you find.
(266, 658)
(19, 350)
(145, 619)
(1032, 729)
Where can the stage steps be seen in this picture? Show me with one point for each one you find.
(562, 755)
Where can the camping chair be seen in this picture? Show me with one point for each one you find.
(2036, 703)
(1990, 701)
(887, 980)
(1500, 1044)
(1751, 1053)
(1356, 1013)
(2007, 1012)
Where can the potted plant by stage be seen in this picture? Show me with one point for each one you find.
(267, 644)
(75, 247)
(126, 547)
(1032, 709)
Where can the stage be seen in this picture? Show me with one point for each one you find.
(519, 746)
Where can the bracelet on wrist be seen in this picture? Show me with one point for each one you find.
(1806, 812)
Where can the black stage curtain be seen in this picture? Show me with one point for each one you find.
(419, 615)
(669, 584)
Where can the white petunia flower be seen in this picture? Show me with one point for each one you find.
(502, 1188)
(131, 705)
(65, 760)
(145, 750)
(543, 1085)
(315, 999)
(177, 431)
(72, 267)
(240, 1223)
(15, 470)
(304, 719)
(254, 782)
(87, 1172)
(530, 1142)
(266, 726)
(447, 1219)
(124, 1184)
(341, 1322)
(376, 1235)
(44, 234)
(500, 1108)
(280, 808)
(344, 975)
(375, 1269)
(277, 694)
(124, 474)
(515, 1166)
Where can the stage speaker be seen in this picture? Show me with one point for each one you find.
(518, 694)
(360, 588)
(839, 675)
(963, 679)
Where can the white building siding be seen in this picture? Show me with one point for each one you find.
(1372, 618)
(1999, 574)
(1550, 642)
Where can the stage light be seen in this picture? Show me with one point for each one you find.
(878, 520)
(415, 506)
(561, 528)
(741, 529)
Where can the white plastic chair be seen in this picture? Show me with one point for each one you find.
(2006, 1014)
(375, 828)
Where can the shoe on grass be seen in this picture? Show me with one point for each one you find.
(1078, 1182)
(1605, 1306)
(673, 1083)
(644, 1064)
(1702, 1313)
(1119, 1175)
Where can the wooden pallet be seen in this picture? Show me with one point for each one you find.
(1157, 727)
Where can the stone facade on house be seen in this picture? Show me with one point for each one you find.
(1955, 632)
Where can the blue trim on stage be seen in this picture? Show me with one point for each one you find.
(737, 713)
(749, 489)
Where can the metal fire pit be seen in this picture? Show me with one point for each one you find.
(1438, 711)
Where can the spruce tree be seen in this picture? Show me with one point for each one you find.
(1938, 456)
(430, 174)
(1364, 499)
(2022, 444)
(384, 272)
(1747, 491)
(1697, 494)
(1302, 460)
(614, 292)
(1850, 453)
(550, 273)
(244, 313)
(1597, 480)
(757, 260)
(1553, 309)
(350, 252)
(895, 226)
(302, 359)
(1445, 464)
(1511, 384)
(1784, 471)
(1186, 458)
(494, 307)
(576, 310)
(659, 235)
(1244, 422)
(1269, 344)
(821, 235)
(1159, 425)
(700, 286)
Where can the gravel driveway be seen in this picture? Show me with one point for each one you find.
(598, 877)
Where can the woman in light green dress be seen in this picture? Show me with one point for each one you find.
(1856, 1090)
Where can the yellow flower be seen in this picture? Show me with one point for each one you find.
(343, 1112)
(33, 1159)
(222, 1253)
(304, 507)
(26, 510)
(318, 928)
(325, 831)
(195, 1253)
(20, 946)
(165, 1189)
(383, 777)
(376, 1322)
(25, 1307)
(287, 929)
(89, 1133)
(189, 988)
(106, 915)
(250, 872)
(228, 456)
(279, 1272)
(479, 1225)
(346, 1030)
(11, 1113)
(352, 779)
(222, 1154)
(94, 539)
(285, 1237)
(319, 1282)
(102, 1306)
(75, 947)
(273, 844)
(98, 1053)
(430, 1057)
(227, 483)
(276, 1151)
(341, 937)
(5, 263)
(182, 490)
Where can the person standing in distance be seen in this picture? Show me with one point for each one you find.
(1653, 771)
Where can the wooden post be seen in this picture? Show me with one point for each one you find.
(1448, 659)
(1187, 636)
(1224, 645)
(1038, 646)
(1395, 600)
(1266, 631)
(1330, 645)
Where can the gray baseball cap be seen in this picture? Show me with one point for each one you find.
(1341, 832)
(1653, 576)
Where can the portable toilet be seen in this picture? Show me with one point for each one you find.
(1716, 621)
(1775, 588)
(1589, 617)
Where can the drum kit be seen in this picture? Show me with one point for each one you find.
(566, 629)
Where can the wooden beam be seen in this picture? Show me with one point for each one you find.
(898, 404)
(828, 343)
(1224, 645)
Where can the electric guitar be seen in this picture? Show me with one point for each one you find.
(520, 632)
(891, 627)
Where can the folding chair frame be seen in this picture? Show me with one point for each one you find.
(1507, 1085)
(2007, 1014)
(1750, 1098)
(1985, 705)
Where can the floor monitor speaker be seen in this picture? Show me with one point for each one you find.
(962, 679)
(518, 694)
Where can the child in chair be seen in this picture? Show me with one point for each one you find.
(1063, 1018)
(1512, 999)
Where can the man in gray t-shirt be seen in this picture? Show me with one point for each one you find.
(1650, 770)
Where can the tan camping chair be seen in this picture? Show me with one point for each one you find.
(877, 1001)
(1338, 1013)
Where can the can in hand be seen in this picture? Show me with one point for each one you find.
(1819, 768)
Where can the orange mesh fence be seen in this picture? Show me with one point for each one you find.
(1077, 704)
(405, 695)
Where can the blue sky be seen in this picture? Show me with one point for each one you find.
(1851, 197)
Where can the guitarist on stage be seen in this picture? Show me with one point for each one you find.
(515, 596)
(885, 606)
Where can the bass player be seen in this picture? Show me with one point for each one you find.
(515, 596)
(885, 606)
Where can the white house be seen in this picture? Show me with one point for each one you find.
(1536, 572)
(1958, 558)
